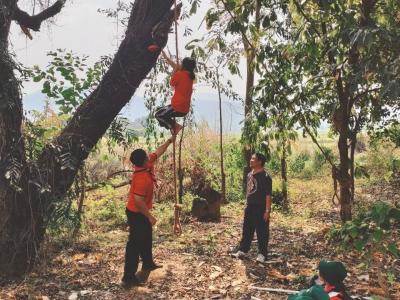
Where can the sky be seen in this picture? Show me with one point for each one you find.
(81, 28)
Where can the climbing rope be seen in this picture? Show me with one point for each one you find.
(178, 207)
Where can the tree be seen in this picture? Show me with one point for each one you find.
(28, 189)
(242, 20)
(279, 128)
(344, 57)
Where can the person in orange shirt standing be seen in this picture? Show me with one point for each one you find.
(138, 211)
(182, 82)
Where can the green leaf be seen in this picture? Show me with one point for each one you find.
(359, 245)
(392, 248)
(377, 235)
(193, 9)
(266, 22)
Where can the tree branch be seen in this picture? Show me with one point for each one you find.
(34, 22)
(309, 20)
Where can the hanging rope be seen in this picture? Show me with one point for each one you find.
(176, 33)
(178, 207)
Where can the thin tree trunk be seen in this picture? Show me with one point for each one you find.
(248, 102)
(180, 170)
(352, 165)
(247, 149)
(284, 177)
(223, 181)
(28, 194)
(344, 178)
(82, 190)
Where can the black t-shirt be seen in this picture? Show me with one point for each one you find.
(258, 187)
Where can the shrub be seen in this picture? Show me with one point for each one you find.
(372, 230)
(380, 160)
(308, 170)
(277, 200)
(297, 164)
(319, 159)
(274, 163)
(109, 208)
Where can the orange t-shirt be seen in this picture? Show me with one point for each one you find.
(183, 91)
(332, 295)
(143, 181)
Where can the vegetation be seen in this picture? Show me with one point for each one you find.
(65, 170)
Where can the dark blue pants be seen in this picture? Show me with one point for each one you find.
(254, 222)
(140, 243)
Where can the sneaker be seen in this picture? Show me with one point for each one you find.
(130, 282)
(151, 267)
(260, 258)
(239, 254)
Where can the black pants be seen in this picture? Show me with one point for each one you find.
(165, 116)
(254, 221)
(140, 243)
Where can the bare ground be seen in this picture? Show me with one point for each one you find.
(197, 265)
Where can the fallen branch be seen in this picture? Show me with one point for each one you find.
(273, 290)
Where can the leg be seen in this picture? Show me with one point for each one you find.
(248, 231)
(177, 127)
(262, 230)
(146, 251)
(164, 117)
(132, 248)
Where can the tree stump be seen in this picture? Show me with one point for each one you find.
(207, 207)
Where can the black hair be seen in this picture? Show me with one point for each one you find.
(189, 64)
(138, 157)
(261, 157)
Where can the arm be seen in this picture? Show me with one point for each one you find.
(173, 64)
(161, 150)
(268, 199)
(141, 205)
(268, 208)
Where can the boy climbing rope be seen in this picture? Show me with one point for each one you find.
(182, 82)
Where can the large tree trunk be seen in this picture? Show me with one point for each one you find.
(28, 194)
(15, 209)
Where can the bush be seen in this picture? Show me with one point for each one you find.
(274, 163)
(109, 208)
(319, 160)
(297, 164)
(372, 230)
(380, 161)
(277, 200)
(308, 170)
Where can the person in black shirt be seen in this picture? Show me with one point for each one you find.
(258, 209)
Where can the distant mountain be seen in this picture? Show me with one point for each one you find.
(205, 107)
